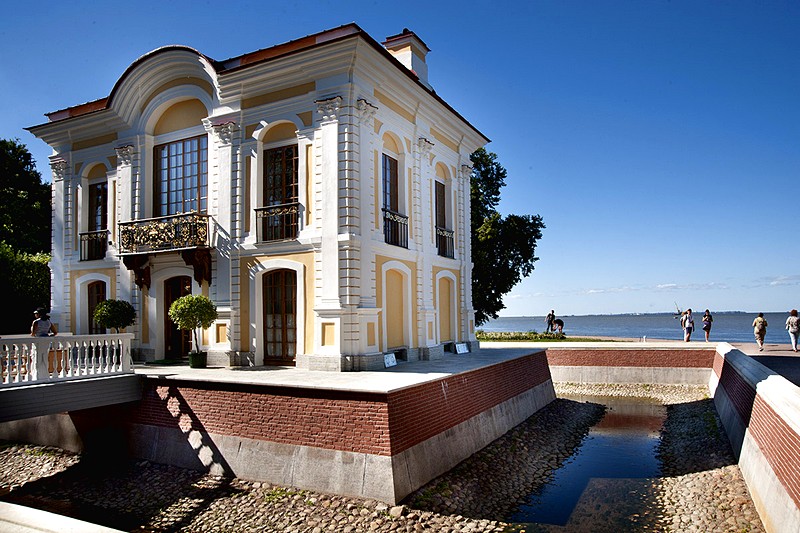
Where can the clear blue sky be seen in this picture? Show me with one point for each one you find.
(660, 140)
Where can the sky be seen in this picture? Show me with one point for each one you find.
(659, 140)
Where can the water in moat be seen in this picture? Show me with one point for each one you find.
(612, 463)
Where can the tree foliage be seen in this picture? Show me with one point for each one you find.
(25, 286)
(191, 312)
(114, 314)
(25, 212)
(503, 249)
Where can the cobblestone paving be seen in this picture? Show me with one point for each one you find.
(702, 489)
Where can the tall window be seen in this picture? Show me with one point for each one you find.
(441, 210)
(95, 293)
(181, 170)
(391, 193)
(280, 175)
(278, 218)
(98, 206)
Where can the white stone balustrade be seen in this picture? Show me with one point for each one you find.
(28, 360)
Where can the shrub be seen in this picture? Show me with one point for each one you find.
(114, 314)
(193, 311)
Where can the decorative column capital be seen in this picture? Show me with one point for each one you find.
(124, 154)
(223, 128)
(425, 146)
(329, 108)
(365, 111)
(60, 168)
(466, 172)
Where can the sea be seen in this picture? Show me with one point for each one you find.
(731, 326)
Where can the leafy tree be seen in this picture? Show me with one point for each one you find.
(503, 249)
(24, 285)
(191, 312)
(25, 213)
(114, 314)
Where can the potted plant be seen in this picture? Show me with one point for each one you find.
(114, 314)
(194, 311)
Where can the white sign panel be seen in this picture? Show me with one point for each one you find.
(389, 360)
(461, 347)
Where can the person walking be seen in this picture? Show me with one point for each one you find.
(687, 323)
(548, 320)
(793, 326)
(760, 330)
(707, 320)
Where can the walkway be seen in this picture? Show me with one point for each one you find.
(777, 357)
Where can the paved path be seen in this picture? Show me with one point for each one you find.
(777, 357)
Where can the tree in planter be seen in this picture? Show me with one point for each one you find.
(193, 311)
(114, 314)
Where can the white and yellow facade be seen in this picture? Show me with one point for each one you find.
(317, 191)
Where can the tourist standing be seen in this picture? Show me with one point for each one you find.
(793, 326)
(760, 330)
(687, 323)
(42, 327)
(548, 320)
(707, 320)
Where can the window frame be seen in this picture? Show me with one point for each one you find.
(198, 203)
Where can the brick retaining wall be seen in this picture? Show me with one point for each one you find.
(761, 414)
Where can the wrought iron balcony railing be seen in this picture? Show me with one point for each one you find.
(174, 232)
(444, 242)
(93, 244)
(277, 222)
(395, 228)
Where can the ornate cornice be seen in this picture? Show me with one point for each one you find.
(365, 110)
(124, 154)
(60, 169)
(329, 108)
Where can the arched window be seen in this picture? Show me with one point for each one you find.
(280, 316)
(95, 293)
(395, 220)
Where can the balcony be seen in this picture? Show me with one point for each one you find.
(93, 245)
(395, 228)
(444, 242)
(277, 222)
(163, 234)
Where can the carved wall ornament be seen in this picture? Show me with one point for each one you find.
(124, 154)
(425, 146)
(60, 168)
(329, 108)
(466, 172)
(222, 130)
(365, 111)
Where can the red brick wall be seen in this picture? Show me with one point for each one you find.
(422, 412)
(779, 443)
(324, 419)
(380, 424)
(672, 358)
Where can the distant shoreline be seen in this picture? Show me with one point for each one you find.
(672, 313)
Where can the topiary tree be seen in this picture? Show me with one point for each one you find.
(114, 314)
(193, 311)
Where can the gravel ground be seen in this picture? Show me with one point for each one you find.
(702, 489)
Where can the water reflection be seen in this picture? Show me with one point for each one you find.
(622, 446)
